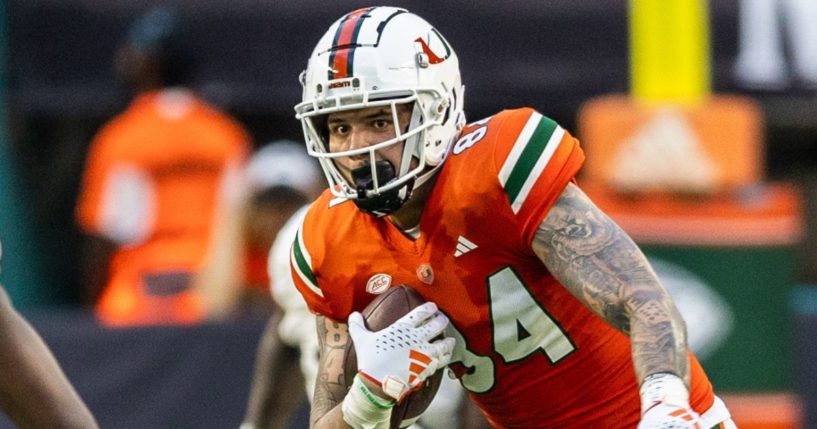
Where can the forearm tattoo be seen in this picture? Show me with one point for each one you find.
(599, 263)
(330, 387)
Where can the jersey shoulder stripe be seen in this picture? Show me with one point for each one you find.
(531, 152)
(325, 225)
(302, 263)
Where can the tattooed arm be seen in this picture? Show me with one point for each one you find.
(330, 388)
(599, 264)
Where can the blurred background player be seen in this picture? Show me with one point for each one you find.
(286, 179)
(281, 179)
(278, 179)
(156, 178)
(34, 392)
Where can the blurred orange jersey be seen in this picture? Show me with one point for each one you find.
(531, 355)
(152, 184)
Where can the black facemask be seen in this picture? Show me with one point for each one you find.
(383, 203)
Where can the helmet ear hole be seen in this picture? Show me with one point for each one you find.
(446, 115)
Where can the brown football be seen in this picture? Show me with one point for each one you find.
(380, 313)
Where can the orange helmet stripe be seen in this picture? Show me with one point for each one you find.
(343, 46)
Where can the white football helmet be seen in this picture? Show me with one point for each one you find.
(383, 56)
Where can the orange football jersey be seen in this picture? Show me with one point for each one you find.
(529, 353)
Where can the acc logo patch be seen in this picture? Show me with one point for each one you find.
(378, 284)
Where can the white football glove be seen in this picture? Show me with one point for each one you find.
(670, 415)
(665, 404)
(401, 356)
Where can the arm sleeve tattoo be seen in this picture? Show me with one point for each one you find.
(600, 265)
(330, 388)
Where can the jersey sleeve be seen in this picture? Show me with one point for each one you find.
(305, 256)
(283, 290)
(535, 159)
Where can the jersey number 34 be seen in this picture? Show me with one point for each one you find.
(521, 327)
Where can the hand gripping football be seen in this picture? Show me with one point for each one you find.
(380, 313)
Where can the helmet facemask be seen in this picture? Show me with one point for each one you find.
(378, 186)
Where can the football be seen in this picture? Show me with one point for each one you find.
(380, 313)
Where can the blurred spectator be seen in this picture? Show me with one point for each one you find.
(763, 27)
(156, 179)
(34, 392)
(280, 178)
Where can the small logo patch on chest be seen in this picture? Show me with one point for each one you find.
(378, 284)
(425, 274)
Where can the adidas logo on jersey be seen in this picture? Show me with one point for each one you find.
(464, 246)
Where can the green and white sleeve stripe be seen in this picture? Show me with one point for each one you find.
(530, 155)
(302, 262)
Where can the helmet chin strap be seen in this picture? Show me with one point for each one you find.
(383, 203)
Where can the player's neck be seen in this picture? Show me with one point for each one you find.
(408, 217)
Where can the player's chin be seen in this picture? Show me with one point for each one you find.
(347, 169)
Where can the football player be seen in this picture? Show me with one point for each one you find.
(552, 315)
(34, 392)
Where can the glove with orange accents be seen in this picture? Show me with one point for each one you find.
(401, 356)
(665, 404)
